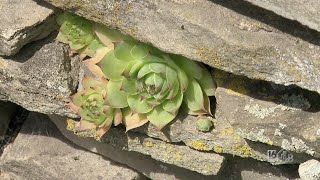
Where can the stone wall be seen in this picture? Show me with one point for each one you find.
(265, 63)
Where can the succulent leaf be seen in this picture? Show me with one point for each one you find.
(192, 68)
(207, 83)
(115, 97)
(193, 97)
(133, 120)
(112, 67)
(159, 117)
(138, 105)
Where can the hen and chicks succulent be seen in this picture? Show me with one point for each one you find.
(134, 83)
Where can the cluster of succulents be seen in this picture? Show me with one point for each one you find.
(134, 83)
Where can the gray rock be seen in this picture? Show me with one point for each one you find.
(41, 152)
(117, 144)
(23, 22)
(40, 78)
(7, 111)
(223, 138)
(280, 116)
(310, 170)
(306, 13)
(222, 34)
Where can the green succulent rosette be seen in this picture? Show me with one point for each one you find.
(143, 83)
(153, 83)
(84, 36)
(90, 104)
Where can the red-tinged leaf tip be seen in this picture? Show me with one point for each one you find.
(73, 107)
(100, 131)
(118, 118)
(96, 70)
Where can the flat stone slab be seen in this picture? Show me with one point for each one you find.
(40, 151)
(275, 115)
(40, 78)
(179, 160)
(178, 155)
(23, 22)
(306, 12)
(234, 36)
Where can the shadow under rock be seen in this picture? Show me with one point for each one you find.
(40, 125)
(285, 25)
(238, 168)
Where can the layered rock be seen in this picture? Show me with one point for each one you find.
(222, 34)
(41, 77)
(287, 117)
(23, 22)
(40, 151)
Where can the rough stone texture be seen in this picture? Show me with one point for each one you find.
(223, 138)
(287, 117)
(249, 41)
(23, 22)
(179, 155)
(7, 111)
(117, 148)
(41, 152)
(310, 170)
(306, 12)
(40, 78)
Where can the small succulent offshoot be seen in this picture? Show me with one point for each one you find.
(204, 124)
(90, 104)
(136, 80)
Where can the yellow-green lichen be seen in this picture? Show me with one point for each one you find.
(148, 144)
(243, 150)
(70, 125)
(236, 137)
(226, 131)
(218, 149)
(199, 145)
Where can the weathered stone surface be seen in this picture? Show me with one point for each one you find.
(270, 48)
(306, 12)
(310, 170)
(41, 152)
(223, 138)
(287, 117)
(23, 22)
(7, 110)
(40, 78)
(179, 155)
